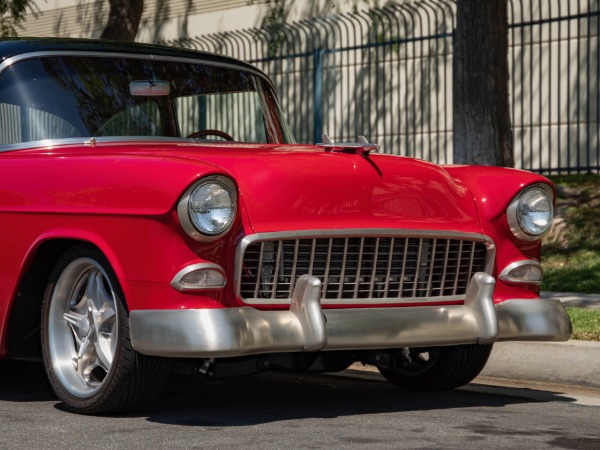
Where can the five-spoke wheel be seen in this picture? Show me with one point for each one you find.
(90, 362)
(82, 327)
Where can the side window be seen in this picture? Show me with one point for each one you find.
(22, 124)
(138, 120)
(238, 114)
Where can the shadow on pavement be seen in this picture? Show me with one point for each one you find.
(273, 397)
(267, 397)
(24, 381)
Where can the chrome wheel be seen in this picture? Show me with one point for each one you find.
(83, 327)
(90, 362)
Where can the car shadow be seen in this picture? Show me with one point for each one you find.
(271, 397)
(24, 381)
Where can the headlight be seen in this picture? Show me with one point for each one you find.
(207, 209)
(530, 213)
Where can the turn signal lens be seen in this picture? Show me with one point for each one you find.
(528, 272)
(198, 277)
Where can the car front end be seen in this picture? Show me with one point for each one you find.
(159, 214)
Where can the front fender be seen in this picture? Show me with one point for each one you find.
(493, 188)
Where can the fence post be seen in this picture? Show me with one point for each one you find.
(317, 94)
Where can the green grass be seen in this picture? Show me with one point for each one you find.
(571, 252)
(586, 323)
(572, 271)
(588, 179)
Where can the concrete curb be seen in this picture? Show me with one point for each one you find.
(572, 362)
(575, 299)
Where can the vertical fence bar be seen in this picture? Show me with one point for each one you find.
(318, 94)
(597, 89)
(587, 84)
(559, 103)
(578, 89)
(549, 95)
(568, 90)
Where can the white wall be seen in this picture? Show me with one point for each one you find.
(166, 20)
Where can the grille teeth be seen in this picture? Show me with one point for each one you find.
(362, 268)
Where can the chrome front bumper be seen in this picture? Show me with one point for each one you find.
(204, 333)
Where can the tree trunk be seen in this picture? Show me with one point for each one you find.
(123, 20)
(481, 108)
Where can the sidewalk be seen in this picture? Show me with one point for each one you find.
(574, 299)
(572, 362)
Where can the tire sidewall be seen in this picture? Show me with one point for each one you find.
(454, 366)
(119, 365)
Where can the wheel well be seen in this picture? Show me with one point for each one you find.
(23, 333)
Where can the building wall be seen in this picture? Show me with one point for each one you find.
(161, 20)
(166, 20)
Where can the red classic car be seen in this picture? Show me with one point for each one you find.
(157, 216)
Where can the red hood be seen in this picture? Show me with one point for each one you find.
(282, 187)
(304, 187)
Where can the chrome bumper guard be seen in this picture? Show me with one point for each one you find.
(205, 333)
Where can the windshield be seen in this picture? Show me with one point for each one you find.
(69, 97)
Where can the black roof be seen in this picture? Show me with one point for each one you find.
(16, 46)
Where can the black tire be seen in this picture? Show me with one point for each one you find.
(439, 368)
(89, 360)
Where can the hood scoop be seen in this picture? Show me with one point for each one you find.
(360, 147)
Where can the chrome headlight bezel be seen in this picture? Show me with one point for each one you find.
(184, 214)
(515, 216)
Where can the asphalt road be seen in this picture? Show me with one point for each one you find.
(292, 411)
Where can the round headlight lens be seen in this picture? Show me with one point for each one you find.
(211, 207)
(535, 211)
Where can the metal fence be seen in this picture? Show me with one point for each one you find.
(387, 74)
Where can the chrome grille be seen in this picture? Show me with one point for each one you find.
(373, 268)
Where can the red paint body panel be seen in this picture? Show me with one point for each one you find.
(302, 187)
(122, 198)
(493, 189)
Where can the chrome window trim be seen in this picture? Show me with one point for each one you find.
(358, 232)
(183, 212)
(525, 262)
(511, 213)
(86, 140)
(150, 57)
(176, 282)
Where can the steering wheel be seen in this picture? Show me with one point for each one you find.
(202, 133)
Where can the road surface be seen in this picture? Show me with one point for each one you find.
(304, 411)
